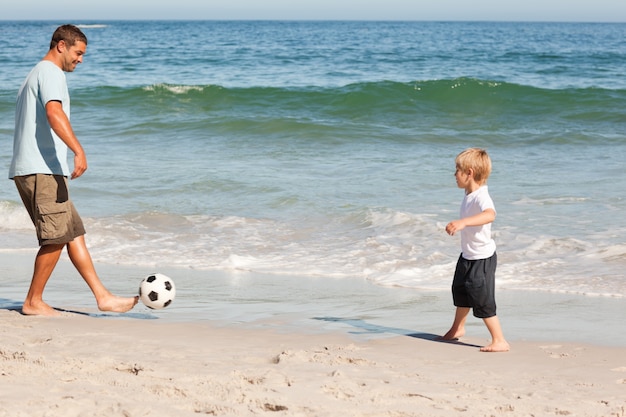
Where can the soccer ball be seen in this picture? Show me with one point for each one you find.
(157, 291)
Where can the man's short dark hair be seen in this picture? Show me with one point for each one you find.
(68, 33)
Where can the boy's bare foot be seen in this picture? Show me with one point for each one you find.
(452, 335)
(502, 346)
(39, 309)
(117, 304)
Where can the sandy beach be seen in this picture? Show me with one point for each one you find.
(81, 365)
(269, 351)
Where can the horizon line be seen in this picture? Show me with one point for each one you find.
(139, 19)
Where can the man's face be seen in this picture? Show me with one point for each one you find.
(72, 55)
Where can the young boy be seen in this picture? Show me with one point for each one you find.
(474, 279)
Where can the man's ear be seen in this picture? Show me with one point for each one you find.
(61, 45)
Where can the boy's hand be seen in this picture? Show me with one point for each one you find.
(479, 219)
(455, 226)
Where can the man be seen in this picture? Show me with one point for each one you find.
(39, 168)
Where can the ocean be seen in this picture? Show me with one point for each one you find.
(325, 150)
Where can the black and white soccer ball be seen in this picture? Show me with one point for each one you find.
(157, 291)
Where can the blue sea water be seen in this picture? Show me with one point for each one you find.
(326, 149)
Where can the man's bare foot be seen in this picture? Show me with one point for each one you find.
(39, 309)
(502, 346)
(117, 304)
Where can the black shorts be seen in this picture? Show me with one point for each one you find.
(474, 285)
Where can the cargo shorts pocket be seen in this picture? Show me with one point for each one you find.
(53, 219)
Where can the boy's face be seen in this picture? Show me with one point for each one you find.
(462, 178)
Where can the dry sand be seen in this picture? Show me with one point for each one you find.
(80, 365)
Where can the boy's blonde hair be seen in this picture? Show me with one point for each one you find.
(476, 159)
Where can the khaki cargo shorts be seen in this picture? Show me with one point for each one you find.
(46, 198)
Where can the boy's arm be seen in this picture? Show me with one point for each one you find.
(485, 217)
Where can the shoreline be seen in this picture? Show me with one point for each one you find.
(356, 308)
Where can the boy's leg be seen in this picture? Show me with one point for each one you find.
(459, 296)
(458, 327)
(485, 306)
(80, 257)
(45, 262)
(498, 343)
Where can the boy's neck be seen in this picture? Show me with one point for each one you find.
(472, 186)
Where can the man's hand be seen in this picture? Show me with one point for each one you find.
(80, 165)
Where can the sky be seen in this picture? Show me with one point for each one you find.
(482, 10)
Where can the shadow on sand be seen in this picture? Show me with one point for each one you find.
(12, 305)
(373, 329)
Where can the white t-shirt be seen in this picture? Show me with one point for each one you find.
(476, 241)
(36, 148)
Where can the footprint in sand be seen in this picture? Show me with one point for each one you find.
(620, 369)
(552, 351)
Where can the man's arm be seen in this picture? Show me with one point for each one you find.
(62, 127)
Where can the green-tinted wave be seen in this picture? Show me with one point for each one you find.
(385, 109)
(457, 96)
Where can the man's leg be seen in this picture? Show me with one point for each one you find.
(45, 262)
(80, 257)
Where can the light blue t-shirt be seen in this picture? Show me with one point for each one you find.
(36, 148)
